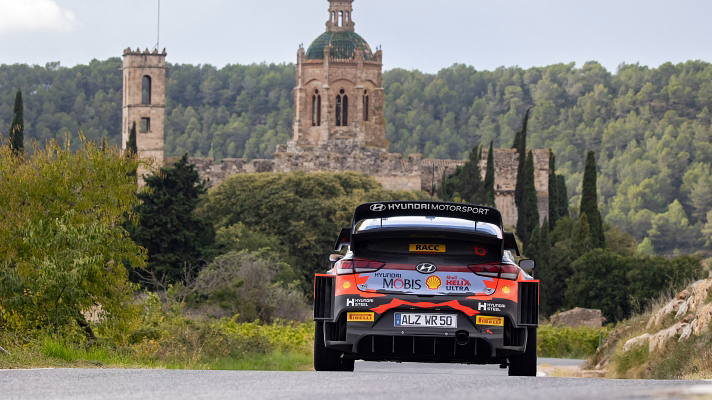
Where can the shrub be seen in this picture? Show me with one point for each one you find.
(566, 342)
(62, 247)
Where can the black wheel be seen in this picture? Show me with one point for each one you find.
(525, 364)
(328, 359)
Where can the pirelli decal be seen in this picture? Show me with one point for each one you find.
(359, 317)
(492, 321)
(427, 248)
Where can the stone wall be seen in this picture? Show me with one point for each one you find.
(390, 169)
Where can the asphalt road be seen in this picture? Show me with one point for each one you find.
(371, 381)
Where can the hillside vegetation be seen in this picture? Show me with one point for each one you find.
(650, 127)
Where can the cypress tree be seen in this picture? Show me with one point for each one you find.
(589, 202)
(520, 143)
(131, 146)
(489, 177)
(581, 242)
(17, 127)
(528, 212)
(470, 185)
(533, 249)
(544, 246)
(553, 192)
(562, 194)
(168, 228)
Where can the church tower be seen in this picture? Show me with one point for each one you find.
(339, 93)
(144, 101)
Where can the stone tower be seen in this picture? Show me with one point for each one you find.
(339, 93)
(144, 101)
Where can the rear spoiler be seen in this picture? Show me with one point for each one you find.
(389, 209)
(510, 243)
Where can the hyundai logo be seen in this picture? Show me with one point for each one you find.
(378, 207)
(426, 268)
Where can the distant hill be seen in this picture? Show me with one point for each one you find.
(650, 127)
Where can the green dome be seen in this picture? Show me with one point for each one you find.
(344, 45)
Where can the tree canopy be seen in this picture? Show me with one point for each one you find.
(650, 127)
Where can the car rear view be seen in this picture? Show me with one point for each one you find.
(426, 282)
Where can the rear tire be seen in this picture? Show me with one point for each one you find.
(525, 364)
(326, 359)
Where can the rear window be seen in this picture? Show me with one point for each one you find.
(483, 228)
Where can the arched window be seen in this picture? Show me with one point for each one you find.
(342, 109)
(316, 109)
(341, 18)
(365, 105)
(338, 110)
(146, 90)
(345, 118)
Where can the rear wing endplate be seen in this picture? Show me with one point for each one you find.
(344, 239)
(510, 243)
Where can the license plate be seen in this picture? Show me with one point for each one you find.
(426, 320)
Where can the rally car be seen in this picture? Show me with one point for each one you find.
(426, 282)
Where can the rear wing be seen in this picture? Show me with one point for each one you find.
(462, 211)
(428, 209)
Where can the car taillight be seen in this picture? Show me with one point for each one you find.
(510, 272)
(485, 269)
(357, 266)
(504, 271)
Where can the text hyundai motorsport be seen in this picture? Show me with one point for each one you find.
(426, 282)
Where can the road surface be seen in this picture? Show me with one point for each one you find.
(370, 381)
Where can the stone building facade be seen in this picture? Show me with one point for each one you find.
(338, 123)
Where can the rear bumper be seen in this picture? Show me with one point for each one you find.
(468, 343)
(381, 340)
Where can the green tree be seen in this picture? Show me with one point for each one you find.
(469, 181)
(63, 246)
(489, 177)
(554, 274)
(305, 211)
(520, 143)
(589, 202)
(176, 237)
(599, 281)
(528, 211)
(450, 185)
(562, 195)
(620, 285)
(534, 249)
(582, 240)
(553, 193)
(544, 246)
(17, 127)
(131, 146)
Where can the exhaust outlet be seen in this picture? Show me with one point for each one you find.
(462, 337)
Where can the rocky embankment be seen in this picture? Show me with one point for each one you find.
(672, 341)
(691, 312)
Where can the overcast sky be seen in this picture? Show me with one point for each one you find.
(415, 34)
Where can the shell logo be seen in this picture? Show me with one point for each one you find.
(433, 282)
(506, 290)
(346, 285)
